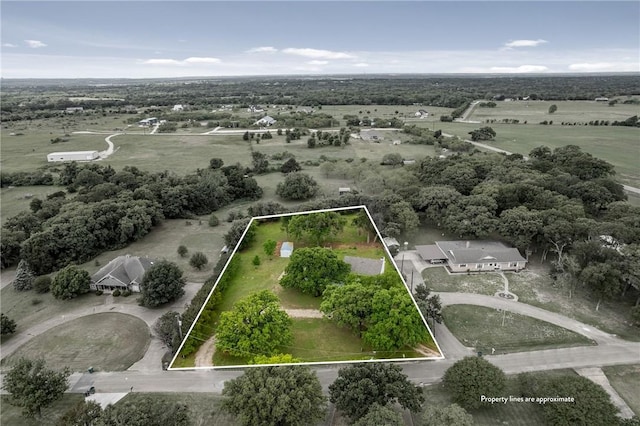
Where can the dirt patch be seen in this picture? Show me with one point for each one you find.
(204, 356)
(304, 313)
(352, 245)
(428, 352)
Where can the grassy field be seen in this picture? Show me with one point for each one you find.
(625, 379)
(486, 328)
(90, 341)
(17, 199)
(437, 279)
(12, 415)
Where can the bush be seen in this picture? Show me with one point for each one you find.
(198, 260)
(42, 284)
(213, 220)
(182, 251)
(36, 301)
(70, 282)
(126, 293)
(116, 293)
(99, 292)
(256, 260)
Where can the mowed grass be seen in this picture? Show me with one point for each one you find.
(17, 199)
(12, 415)
(90, 341)
(625, 379)
(486, 328)
(437, 279)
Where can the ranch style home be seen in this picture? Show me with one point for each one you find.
(473, 256)
(122, 273)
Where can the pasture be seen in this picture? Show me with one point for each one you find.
(17, 199)
(90, 341)
(625, 379)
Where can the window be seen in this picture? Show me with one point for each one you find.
(463, 265)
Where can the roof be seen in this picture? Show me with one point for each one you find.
(267, 119)
(73, 152)
(365, 266)
(126, 269)
(430, 252)
(287, 246)
(390, 242)
(479, 251)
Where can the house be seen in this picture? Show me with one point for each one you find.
(365, 266)
(286, 249)
(473, 256)
(122, 273)
(266, 121)
(73, 156)
(422, 113)
(73, 110)
(177, 108)
(371, 135)
(255, 108)
(148, 122)
(344, 190)
(602, 99)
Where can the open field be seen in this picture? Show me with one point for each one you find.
(616, 145)
(485, 329)
(625, 379)
(383, 111)
(17, 199)
(90, 342)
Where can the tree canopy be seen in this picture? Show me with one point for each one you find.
(451, 415)
(316, 226)
(7, 325)
(312, 269)
(297, 186)
(471, 377)
(255, 326)
(146, 411)
(275, 396)
(162, 283)
(33, 386)
(70, 282)
(359, 387)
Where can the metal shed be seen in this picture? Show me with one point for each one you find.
(286, 249)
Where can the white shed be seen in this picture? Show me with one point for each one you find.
(72, 156)
(286, 249)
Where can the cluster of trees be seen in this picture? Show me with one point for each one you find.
(320, 138)
(312, 269)
(112, 209)
(297, 186)
(483, 134)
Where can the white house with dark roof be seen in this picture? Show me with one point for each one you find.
(365, 266)
(266, 121)
(122, 273)
(473, 256)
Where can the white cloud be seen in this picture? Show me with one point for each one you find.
(201, 60)
(317, 53)
(520, 69)
(8, 45)
(162, 62)
(604, 66)
(525, 43)
(263, 49)
(34, 44)
(316, 62)
(361, 64)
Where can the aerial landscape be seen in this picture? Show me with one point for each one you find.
(320, 213)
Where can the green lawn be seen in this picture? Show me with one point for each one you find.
(437, 279)
(17, 199)
(90, 341)
(12, 415)
(486, 328)
(625, 379)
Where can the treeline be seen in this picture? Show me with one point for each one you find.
(112, 209)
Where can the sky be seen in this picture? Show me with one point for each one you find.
(153, 39)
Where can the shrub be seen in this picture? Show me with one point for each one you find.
(116, 293)
(182, 251)
(42, 284)
(36, 301)
(256, 260)
(99, 292)
(126, 293)
(198, 260)
(213, 220)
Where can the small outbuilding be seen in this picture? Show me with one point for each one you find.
(286, 249)
(73, 156)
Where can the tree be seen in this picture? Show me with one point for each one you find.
(364, 223)
(349, 305)
(275, 396)
(245, 136)
(260, 162)
(328, 168)
(198, 260)
(269, 247)
(291, 165)
(84, 413)
(297, 186)
(591, 406)
(316, 226)
(311, 270)
(553, 108)
(451, 415)
(358, 387)
(183, 250)
(394, 159)
(483, 134)
(255, 326)
(33, 386)
(519, 226)
(471, 377)
(70, 282)
(42, 284)
(24, 277)
(162, 283)
(215, 163)
(603, 279)
(213, 220)
(146, 411)
(7, 325)
(430, 306)
(380, 415)
(167, 329)
(635, 315)
(256, 261)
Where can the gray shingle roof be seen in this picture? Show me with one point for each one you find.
(478, 252)
(430, 252)
(126, 269)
